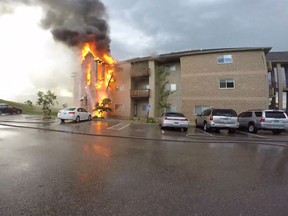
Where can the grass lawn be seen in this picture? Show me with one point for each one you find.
(26, 109)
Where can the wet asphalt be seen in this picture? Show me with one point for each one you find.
(113, 167)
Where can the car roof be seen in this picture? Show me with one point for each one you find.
(261, 110)
(173, 113)
(221, 108)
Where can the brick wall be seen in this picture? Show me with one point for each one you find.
(200, 75)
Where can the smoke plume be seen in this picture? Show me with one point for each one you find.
(74, 22)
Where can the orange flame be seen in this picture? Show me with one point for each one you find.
(105, 70)
(108, 59)
(88, 77)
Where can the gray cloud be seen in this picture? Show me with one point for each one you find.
(193, 24)
(72, 22)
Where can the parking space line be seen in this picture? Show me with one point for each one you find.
(119, 126)
(259, 136)
(206, 133)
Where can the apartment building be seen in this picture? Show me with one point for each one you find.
(234, 78)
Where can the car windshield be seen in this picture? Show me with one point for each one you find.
(224, 112)
(70, 108)
(274, 114)
(175, 115)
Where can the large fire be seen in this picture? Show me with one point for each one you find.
(98, 71)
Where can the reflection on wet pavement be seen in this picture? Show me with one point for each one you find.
(52, 173)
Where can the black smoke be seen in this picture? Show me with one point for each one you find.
(75, 22)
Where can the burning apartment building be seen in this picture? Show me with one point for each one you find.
(82, 25)
(95, 79)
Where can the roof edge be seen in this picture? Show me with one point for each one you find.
(198, 52)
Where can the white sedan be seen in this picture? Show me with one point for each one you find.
(76, 114)
(174, 120)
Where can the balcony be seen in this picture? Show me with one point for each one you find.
(140, 73)
(140, 93)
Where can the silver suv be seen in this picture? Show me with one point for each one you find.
(217, 119)
(254, 120)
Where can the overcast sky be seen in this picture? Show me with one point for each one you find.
(30, 60)
(140, 28)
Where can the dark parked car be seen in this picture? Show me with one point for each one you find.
(254, 120)
(5, 108)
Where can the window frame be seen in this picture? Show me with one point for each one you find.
(225, 59)
(170, 68)
(226, 83)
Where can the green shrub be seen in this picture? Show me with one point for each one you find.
(150, 120)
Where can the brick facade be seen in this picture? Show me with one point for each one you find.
(197, 78)
(201, 75)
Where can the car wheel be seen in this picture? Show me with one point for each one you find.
(252, 128)
(62, 120)
(77, 119)
(205, 127)
(18, 112)
(184, 129)
(275, 132)
(89, 118)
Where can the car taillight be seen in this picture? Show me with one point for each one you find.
(211, 117)
(262, 119)
(166, 118)
(72, 113)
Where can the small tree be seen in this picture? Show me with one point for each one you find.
(29, 103)
(103, 107)
(46, 101)
(161, 81)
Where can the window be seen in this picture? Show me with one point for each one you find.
(199, 109)
(224, 112)
(119, 107)
(258, 114)
(206, 112)
(171, 87)
(227, 83)
(246, 114)
(170, 68)
(224, 59)
(274, 114)
(119, 87)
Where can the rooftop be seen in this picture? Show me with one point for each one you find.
(277, 56)
(177, 55)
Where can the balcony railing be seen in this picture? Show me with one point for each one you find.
(140, 93)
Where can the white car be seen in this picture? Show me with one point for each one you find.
(174, 120)
(76, 114)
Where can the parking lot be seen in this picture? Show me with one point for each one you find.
(54, 168)
(138, 130)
